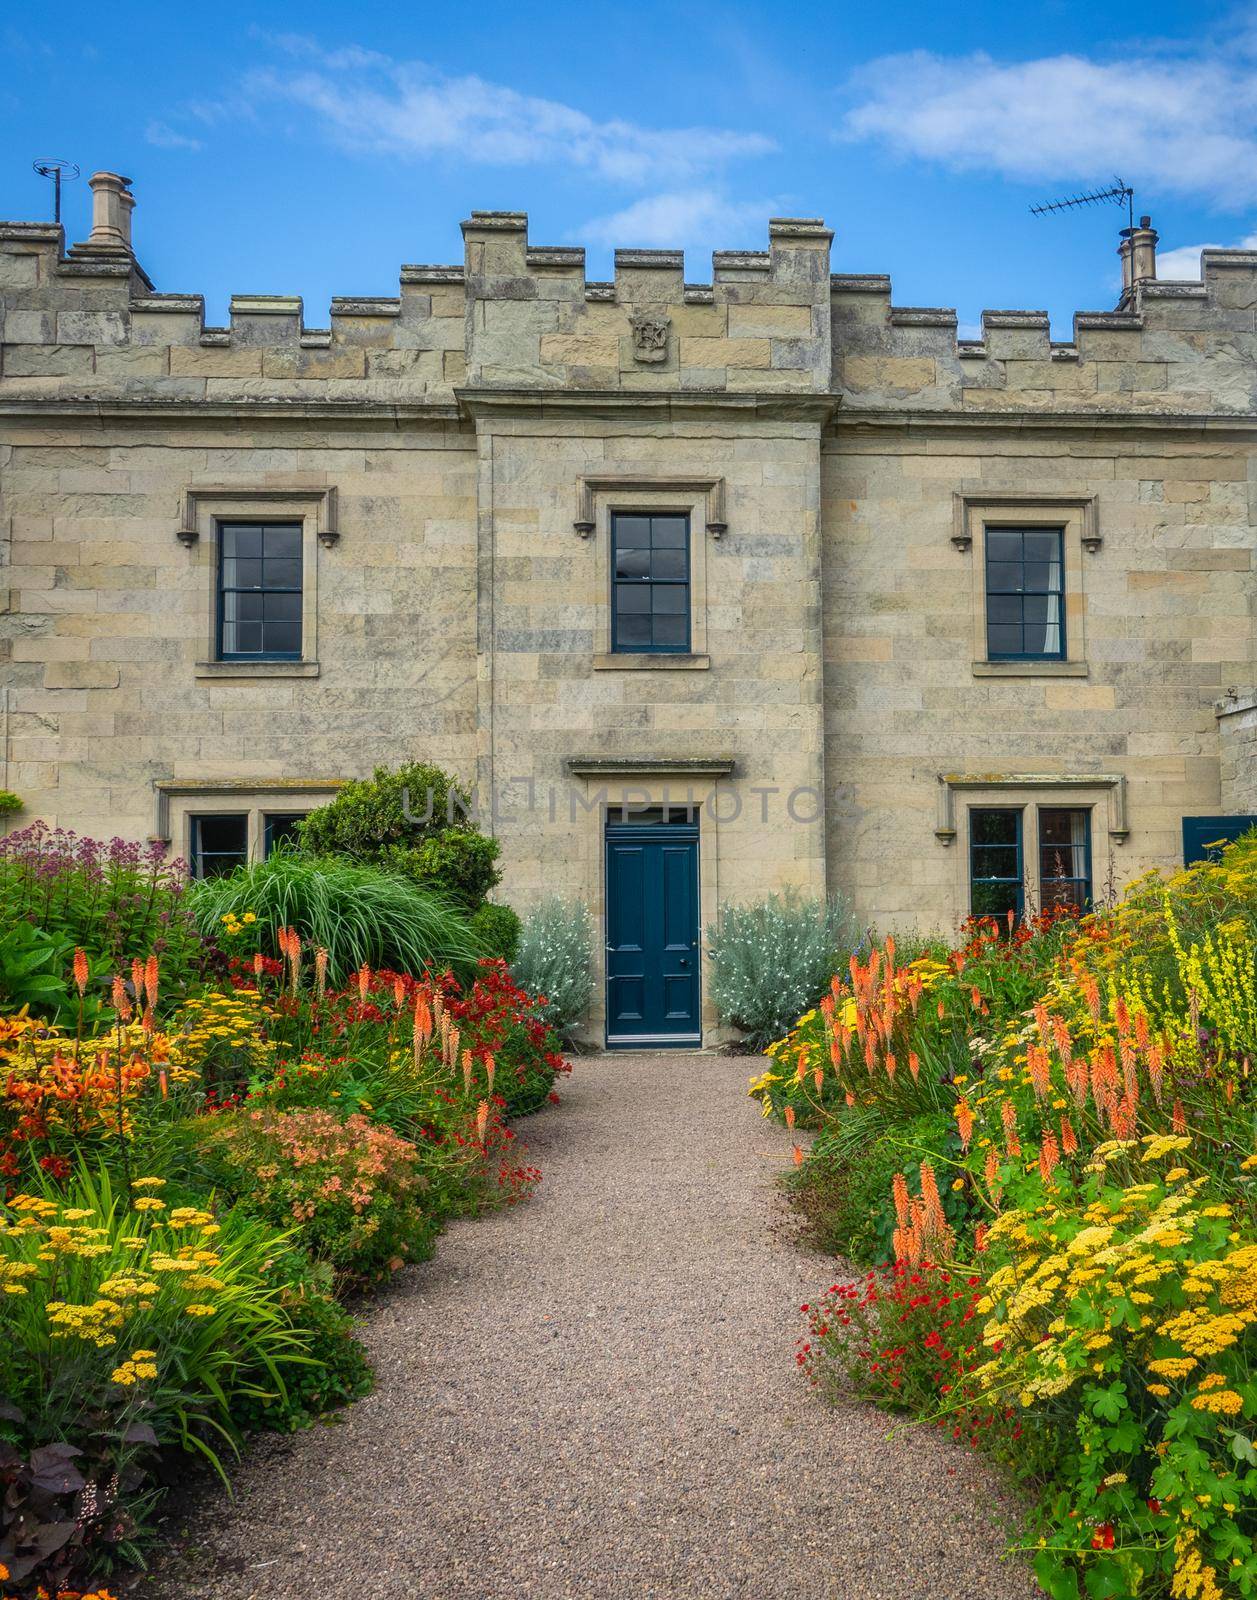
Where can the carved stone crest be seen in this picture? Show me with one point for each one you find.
(650, 337)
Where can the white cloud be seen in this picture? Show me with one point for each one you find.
(1184, 261)
(1185, 124)
(685, 219)
(371, 105)
(165, 138)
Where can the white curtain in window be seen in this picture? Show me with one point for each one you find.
(1078, 844)
(1052, 633)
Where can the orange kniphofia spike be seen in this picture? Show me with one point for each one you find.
(151, 973)
(80, 970)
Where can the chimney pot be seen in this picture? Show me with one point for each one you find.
(112, 204)
(1138, 251)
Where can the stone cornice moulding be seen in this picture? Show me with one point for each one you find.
(965, 503)
(168, 789)
(647, 483)
(645, 766)
(924, 422)
(952, 783)
(676, 404)
(323, 497)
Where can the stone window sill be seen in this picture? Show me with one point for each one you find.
(651, 663)
(215, 671)
(1030, 669)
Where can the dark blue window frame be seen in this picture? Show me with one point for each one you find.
(997, 880)
(279, 827)
(650, 583)
(1072, 887)
(1025, 593)
(260, 591)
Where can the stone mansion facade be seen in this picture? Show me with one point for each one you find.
(829, 596)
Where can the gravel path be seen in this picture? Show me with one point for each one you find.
(594, 1396)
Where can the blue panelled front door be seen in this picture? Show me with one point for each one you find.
(652, 934)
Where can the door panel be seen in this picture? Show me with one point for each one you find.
(652, 934)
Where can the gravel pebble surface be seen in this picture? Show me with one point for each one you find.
(594, 1395)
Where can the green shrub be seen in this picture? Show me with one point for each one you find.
(10, 803)
(555, 959)
(772, 959)
(413, 822)
(497, 929)
(361, 915)
(351, 1188)
(338, 1372)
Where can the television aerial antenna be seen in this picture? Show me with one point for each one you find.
(1120, 193)
(59, 171)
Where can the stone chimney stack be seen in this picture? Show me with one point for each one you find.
(112, 205)
(1138, 251)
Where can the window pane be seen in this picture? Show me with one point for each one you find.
(283, 539)
(277, 828)
(631, 598)
(1003, 641)
(672, 598)
(1003, 544)
(245, 606)
(632, 531)
(1042, 544)
(282, 573)
(995, 861)
(219, 844)
(241, 573)
(994, 827)
(282, 607)
(633, 629)
(1042, 576)
(672, 630)
(995, 899)
(242, 638)
(239, 540)
(1004, 608)
(669, 564)
(631, 563)
(281, 638)
(1004, 577)
(668, 532)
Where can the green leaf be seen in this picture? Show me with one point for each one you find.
(1060, 1581)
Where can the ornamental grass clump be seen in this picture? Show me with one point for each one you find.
(555, 960)
(359, 914)
(126, 1327)
(773, 959)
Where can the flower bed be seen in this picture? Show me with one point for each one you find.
(1068, 1118)
(191, 1173)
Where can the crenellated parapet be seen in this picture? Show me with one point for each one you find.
(1185, 348)
(535, 321)
(87, 325)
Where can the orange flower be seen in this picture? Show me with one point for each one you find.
(1069, 1140)
(151, 971)
(1178, 1118)
(364, 981)
(818, 1078)
(964, 1122)
(467, 1070)
(992, 1175)
(423, 1019)
(320, 971)
(899, 1188)
(80, 970)
(1040, 1074)
(490, 1067)
(890, 1063)
(789, 1116)
(257, 965)
(1049, 1156)
(120, 1002)
(1012, 1143)
(914, 1065)
(482, 1119)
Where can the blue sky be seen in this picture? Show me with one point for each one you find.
(312, 149)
